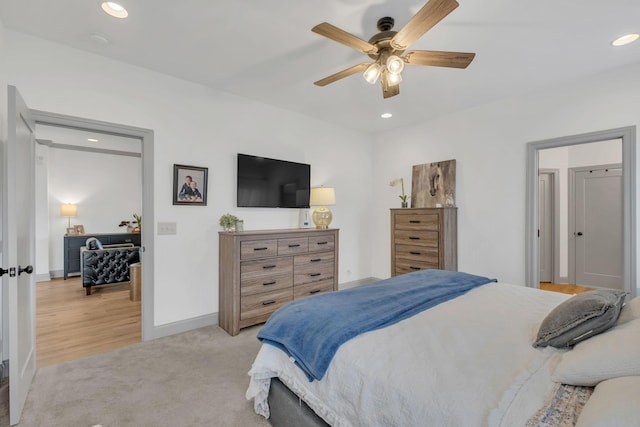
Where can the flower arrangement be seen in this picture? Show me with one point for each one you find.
(228, 222)
(402, 196)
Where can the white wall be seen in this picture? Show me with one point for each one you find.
(489, 144)
(195, 125)
(563, 158)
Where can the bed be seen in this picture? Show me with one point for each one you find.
(465, 360)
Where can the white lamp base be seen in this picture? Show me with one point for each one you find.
(322, 217)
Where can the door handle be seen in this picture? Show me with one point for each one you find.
(10, 270)
(28, 269)
(579, 233)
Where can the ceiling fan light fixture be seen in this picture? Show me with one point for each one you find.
(395, 64)
(394, 78)
(115, 9)
(372, 73)
(626, 39)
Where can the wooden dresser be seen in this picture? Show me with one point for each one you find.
(423, 238)
(260, 271)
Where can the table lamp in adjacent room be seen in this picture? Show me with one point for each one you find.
(69, 210)
(322, 197)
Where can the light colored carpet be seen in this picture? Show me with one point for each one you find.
(197, 378)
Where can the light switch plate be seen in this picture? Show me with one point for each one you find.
(167, 228)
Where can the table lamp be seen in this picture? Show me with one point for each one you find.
(69, 210)
(322, 197)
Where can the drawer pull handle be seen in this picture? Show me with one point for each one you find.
(266, 267)
(414, 238)
(271, 301)
(260, 249)
(414, 268)
(273, 282)
(297, 245)
(322, 243)
(315, 274)
(414, 222)
(315, 260)
(415, 253)
(315, 291)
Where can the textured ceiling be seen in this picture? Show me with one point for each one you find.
(265, 50)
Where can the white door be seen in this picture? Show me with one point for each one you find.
(545, 232)
(598, 228)
(18, 237)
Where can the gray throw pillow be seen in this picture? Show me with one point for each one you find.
(580, 317)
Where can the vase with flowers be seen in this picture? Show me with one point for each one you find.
(403, 196)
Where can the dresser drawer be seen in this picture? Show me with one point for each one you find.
(321, 243)
(315, 288)
(407, 266)
(258, 249)
(417, 253)
(417, 222)
(314, 272)
(268, 283)
(298, 245)
(416, 238)
(265, 303)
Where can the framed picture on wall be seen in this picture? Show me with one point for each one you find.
(190, 185)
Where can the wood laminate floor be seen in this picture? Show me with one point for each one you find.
(563, 288)
(70, 324)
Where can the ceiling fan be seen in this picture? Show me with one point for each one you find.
(388, 48)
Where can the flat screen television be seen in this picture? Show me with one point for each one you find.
(272, 183)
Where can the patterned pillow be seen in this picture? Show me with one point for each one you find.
(580, 317)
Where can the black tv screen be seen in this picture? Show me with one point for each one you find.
(271, 183)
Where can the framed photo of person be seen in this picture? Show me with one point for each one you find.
(79, 229)
(71, 231)
(190, 185)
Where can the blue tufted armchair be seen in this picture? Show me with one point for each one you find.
(106, 265)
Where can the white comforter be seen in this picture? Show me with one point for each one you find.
(466, 362)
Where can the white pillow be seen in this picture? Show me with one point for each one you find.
(614, 402)
(630, 311)
(614, 353)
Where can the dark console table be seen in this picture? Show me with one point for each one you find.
(72, 245)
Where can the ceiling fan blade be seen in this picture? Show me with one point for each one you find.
(342, 74)
(439, 59)
(334, 33)
(430, 14)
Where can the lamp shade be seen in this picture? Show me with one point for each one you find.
(69, 210)
(322, 196)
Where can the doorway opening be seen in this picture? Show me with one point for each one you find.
(147, 236)
(535, 151)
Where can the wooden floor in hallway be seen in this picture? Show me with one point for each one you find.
(70, 324)
(563, 288)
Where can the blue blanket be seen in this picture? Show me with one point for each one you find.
(312, 329)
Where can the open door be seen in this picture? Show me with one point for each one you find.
(18, 238)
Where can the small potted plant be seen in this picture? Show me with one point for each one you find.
(138, 223)
(228, 222)
(403, 197)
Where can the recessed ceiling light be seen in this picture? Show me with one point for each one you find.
(626, 39)
(92, 140)
(386, 115)
(114, 9)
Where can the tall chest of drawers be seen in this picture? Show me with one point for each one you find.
(260, 271)
(423, 238)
